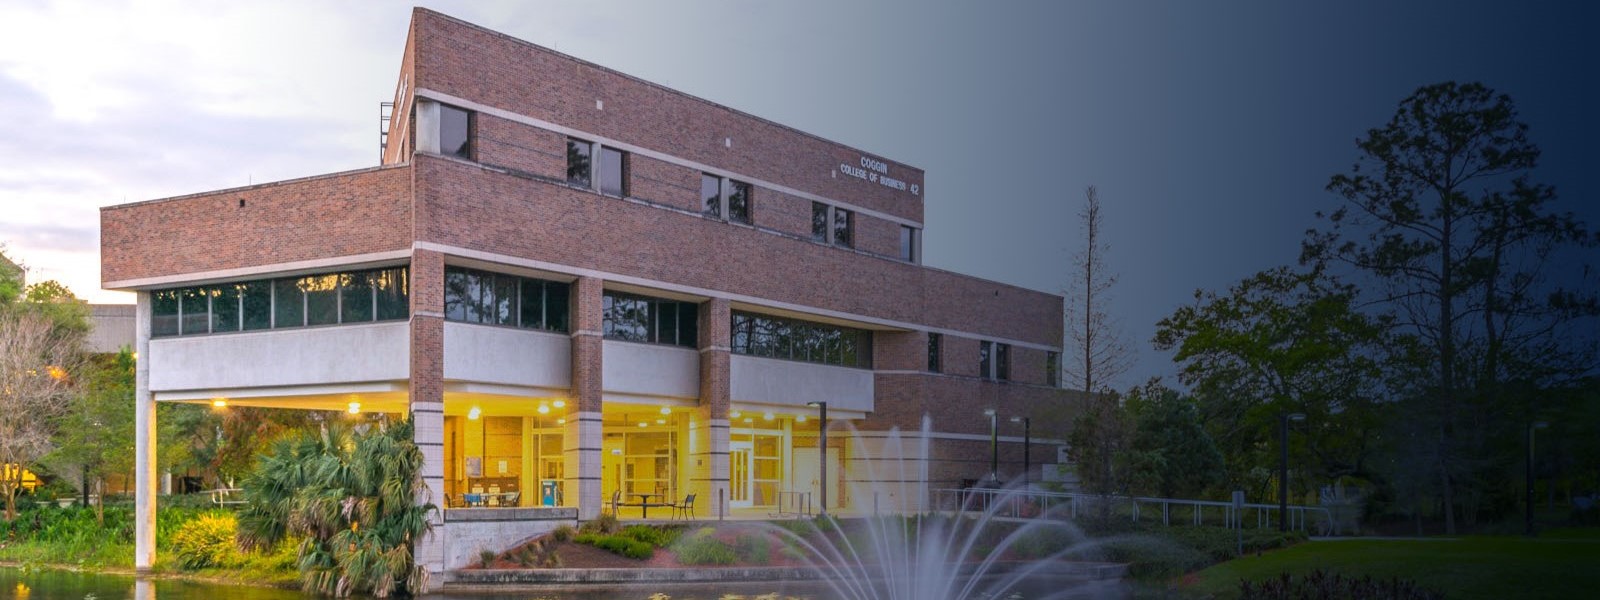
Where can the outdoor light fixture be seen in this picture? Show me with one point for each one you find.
(767, 416)
(474, 413)
(665, 410)
(355, 408)
(561, 421)
(661, 421)
(642, 423)
(219, 403)
(800, 419)
(1027, 441)
(544, 409)
(560, 403)
(735, 414)
(1283, 466)
(994, 445)
(749, 419)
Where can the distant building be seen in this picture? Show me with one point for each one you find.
(111, 327)
(586, 290)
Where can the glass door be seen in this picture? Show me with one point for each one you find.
(739, 474)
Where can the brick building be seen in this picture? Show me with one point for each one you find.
(583, 285)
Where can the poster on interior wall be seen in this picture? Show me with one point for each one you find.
(474, 466)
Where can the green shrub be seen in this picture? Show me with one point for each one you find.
(207, 542)
(604, 524)
(563, 533)
(620, 545)
(1042, 542)
(659, 536)
(701, 548)
(751, 549)
(1324, 586)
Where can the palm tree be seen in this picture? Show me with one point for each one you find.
(350, 496)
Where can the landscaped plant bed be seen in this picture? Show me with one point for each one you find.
(727, 545)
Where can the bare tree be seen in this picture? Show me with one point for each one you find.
(1101, 352)
(37, 361)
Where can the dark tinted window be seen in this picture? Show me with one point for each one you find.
(256, 301)
(224, 308)
(504, 309)
(355, 297)
(579, 166)
(908, 244)
(164, 313)
(322, 299)
(288, 307)
(613, 168)
(777, 337)
(643, 319)
(393, 290)
(501, 299)
(1002, 360)
(556, 296)
(711, 194)
(455, 131)
(1052, 368)
(738, 201)
(819, 221)
(934, 363)
(196, 310)
(531, 307)
(843, 228)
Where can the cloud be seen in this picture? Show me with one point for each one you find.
(43, 236)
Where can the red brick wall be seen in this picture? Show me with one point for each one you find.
(321, 217)
(480, 209)
(516, 146)
(400, 132)
(499, 71)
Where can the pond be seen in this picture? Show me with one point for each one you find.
(43, 584)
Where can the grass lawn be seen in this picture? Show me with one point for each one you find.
(1559, 564)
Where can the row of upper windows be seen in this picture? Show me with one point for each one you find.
(606, 169)
(777, 337)
(327, 299)
(474, 296)
(994, 360)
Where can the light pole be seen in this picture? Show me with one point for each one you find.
(1283, 466)
(822, 427)
(1027, 442)
(994, 448)
(1528, 507)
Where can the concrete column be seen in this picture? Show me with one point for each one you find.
(146, 479)
(427, 398)
(715, 344)
(582, 436)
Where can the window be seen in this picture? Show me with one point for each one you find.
(711, 194)
(985, 361)
(720, 196)
(635, 318)
(1002, 362)
(473, 296)
(1052, 368)
(348, 297)
(579, 166)
(843, 228)
(908, 244)
(819, 222)
(934, 364)
(613, 171)
(776, 337)
(455, 132)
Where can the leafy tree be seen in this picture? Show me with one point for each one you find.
(1441, 213)
(351, 496)
(1101, 438)
(10, 279)
(1281, 342)
(37, 369)
(95, 434)
(1172, 455)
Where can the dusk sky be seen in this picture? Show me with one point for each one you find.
(1210, 128)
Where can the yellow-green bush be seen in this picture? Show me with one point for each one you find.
(207, 542)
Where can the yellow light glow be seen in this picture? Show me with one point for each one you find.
(560, 403)
(661, 421)
(561, 421)
(544, 409)
(219, 403)
(767, 416)
(57, 373)
(642, 423)
(749, 420)
(136, 356)
(474, 413)
(735, 414)
(800, 419)
(355, 408)
(666, 410)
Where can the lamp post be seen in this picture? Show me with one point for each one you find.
(822, 427)
(1027, 442)
(994, 448)
(1528, 507)
(1283, 466)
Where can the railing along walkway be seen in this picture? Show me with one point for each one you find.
(1029, 504)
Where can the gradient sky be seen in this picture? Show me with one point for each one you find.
(1209, 127)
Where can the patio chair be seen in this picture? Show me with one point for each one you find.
(616, 503)
(511, 499)
(451, 501)
(686, 508)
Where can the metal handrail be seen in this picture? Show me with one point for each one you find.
(1037, 504)
(220, 496)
